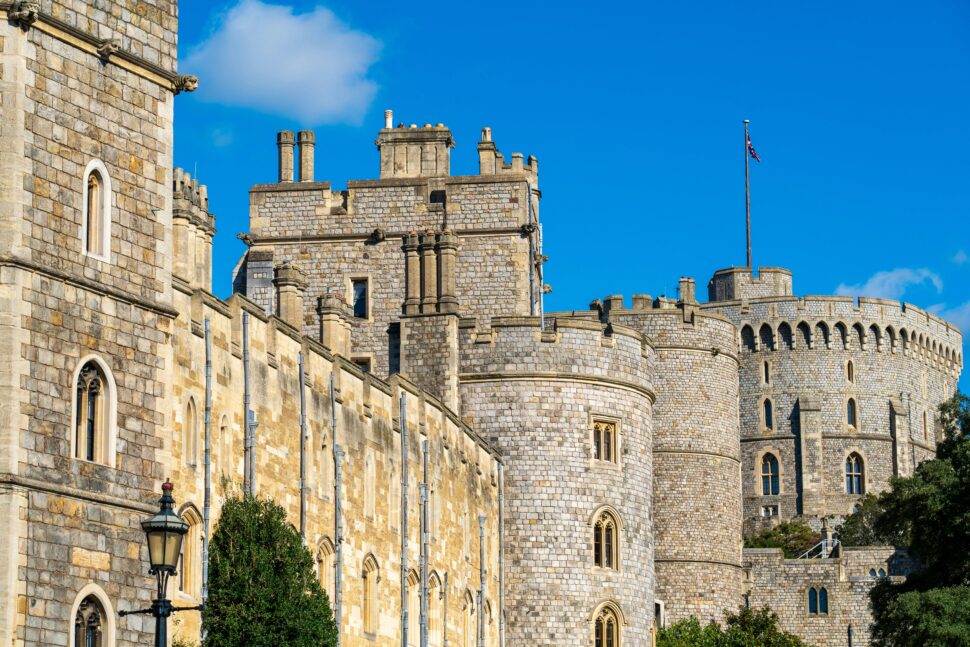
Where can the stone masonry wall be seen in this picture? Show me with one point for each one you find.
(463, 470)
(894, 382)
(696, 483)
(72, 524)
(783, 584)
(536, 394)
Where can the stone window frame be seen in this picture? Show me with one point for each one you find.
(109, 424)
(617, 422)
(189, 580)
(95, 591)
(762, 418)
(325, 560)
(613, 607)
(864, 475)
(370, 484)
(822, 599)
(190, 433)
(368, 277)
(766, 371)
(849, 371)
(97, 166)
(469, 637)
(371, 599)
(852, 423)
(760, 456)
(436, 602)
(368, 357)
(617, 553)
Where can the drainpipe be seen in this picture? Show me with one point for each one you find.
(501, 555)
(444, 612)
(249, 471)
(404, 523)
(425, 532)
(338, 533)
(532, 257)
(207, 462)
(302, 448)
(481, 580)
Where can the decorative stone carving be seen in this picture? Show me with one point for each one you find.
(108, 47)
(186, 83)
(24, 13)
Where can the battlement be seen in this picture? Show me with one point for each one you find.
(741, 283)
(575, 347)
(193, 228)
(492, 162)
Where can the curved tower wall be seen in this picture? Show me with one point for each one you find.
(696, 453)
(905, 362)
(536, 394)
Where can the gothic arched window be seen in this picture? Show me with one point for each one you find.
(326, 568)
(89, 623)
(92, 399)
(606, 537)
(769, 475)
(768, 417)
(191, 427)
(606, 632)
(604, 441)
(96, 208)
(371, 578)
(854, 474)
(190, 570)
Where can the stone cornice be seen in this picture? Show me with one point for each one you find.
(36, 485)
(29, 16)
(556, 376)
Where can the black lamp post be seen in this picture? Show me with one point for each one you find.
(164, 532)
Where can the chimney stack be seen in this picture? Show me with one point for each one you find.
(307, 141)
(388, 118)
(290, 289)
(284, 142)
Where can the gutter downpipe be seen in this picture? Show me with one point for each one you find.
(207, 463)
(338, 533)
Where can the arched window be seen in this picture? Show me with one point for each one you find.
(190, 569)
(468, 620)
(872, 572)
(191, 427)
(326, 571)
(414, 609)
(767, 415)
(371, 578)
(606, 538)
(96, 205)
(93, 411)
(769, 475)
(606, 629)
(881, 572)
(766, 373)
(435, 602)
(851, 414)
(604, 441)
(813, 601)
(823, 600)
(850, 371)
(89, 623)
(854, 474)
(747, 338)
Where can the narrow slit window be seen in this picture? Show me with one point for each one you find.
(768, 414)
(767, 373)
(851, 414)
(361, 296)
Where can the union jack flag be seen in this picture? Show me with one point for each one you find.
(751, 150)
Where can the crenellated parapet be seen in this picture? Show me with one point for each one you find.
(192, 230)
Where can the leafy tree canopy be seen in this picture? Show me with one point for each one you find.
(794, 538)
(262, 588)
(929, 513)
(745, 628)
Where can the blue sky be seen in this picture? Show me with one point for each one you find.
(858, 110)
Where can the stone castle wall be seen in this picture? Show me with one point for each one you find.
(70, 523)
(463, 470)
(536, 394)
(783, 584)
(905, 362)
(696, 489)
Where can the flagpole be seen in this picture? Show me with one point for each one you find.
(747, 192)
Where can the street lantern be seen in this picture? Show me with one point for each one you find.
(164, 533)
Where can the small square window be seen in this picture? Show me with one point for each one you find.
(363, 363)
(360, 298)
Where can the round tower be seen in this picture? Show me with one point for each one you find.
(570, 407)
(696, 453)
(837, 395)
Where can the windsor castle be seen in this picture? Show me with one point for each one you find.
(554, 478)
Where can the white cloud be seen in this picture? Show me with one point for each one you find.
(959, 315)
(960, 258)
(892, 284)
(309, 67)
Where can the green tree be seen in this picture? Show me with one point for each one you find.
(262, 589)
(794, 538)
(859, 528)
(931, 509)
(744, 628)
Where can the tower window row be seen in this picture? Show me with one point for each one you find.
(770, 476)
(768, 414)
